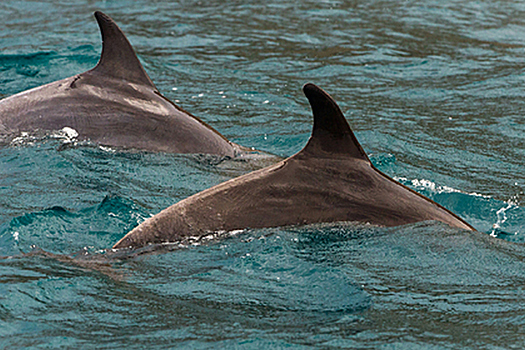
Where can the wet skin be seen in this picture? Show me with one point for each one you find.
(114, 104)
(330, 180)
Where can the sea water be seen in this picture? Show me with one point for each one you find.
(434, 91)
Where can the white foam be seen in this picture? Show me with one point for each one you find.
(501, 215)
(107, 149)
(67, 134)
(70, 132)
(429, 185)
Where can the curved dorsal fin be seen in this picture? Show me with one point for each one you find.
(118, 59)
(331, 132)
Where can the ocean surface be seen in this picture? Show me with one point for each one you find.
(435, 92)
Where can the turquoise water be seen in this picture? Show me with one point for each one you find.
(434, 91)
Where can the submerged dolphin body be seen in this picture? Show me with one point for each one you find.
(331, 179)
(114, 104)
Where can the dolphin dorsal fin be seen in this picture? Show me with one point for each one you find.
(331, 133)
(118, 59)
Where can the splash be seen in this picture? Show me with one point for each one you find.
(65, 135)
(424, 184)
(501, 214)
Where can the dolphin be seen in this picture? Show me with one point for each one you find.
(114, 104)
(330, 180)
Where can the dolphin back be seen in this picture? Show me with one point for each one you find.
(330, 180)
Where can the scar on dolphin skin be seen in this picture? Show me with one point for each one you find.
(114, 104)
(330, 180)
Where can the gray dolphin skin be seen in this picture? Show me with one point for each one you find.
(114, 104)
(330, 180)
